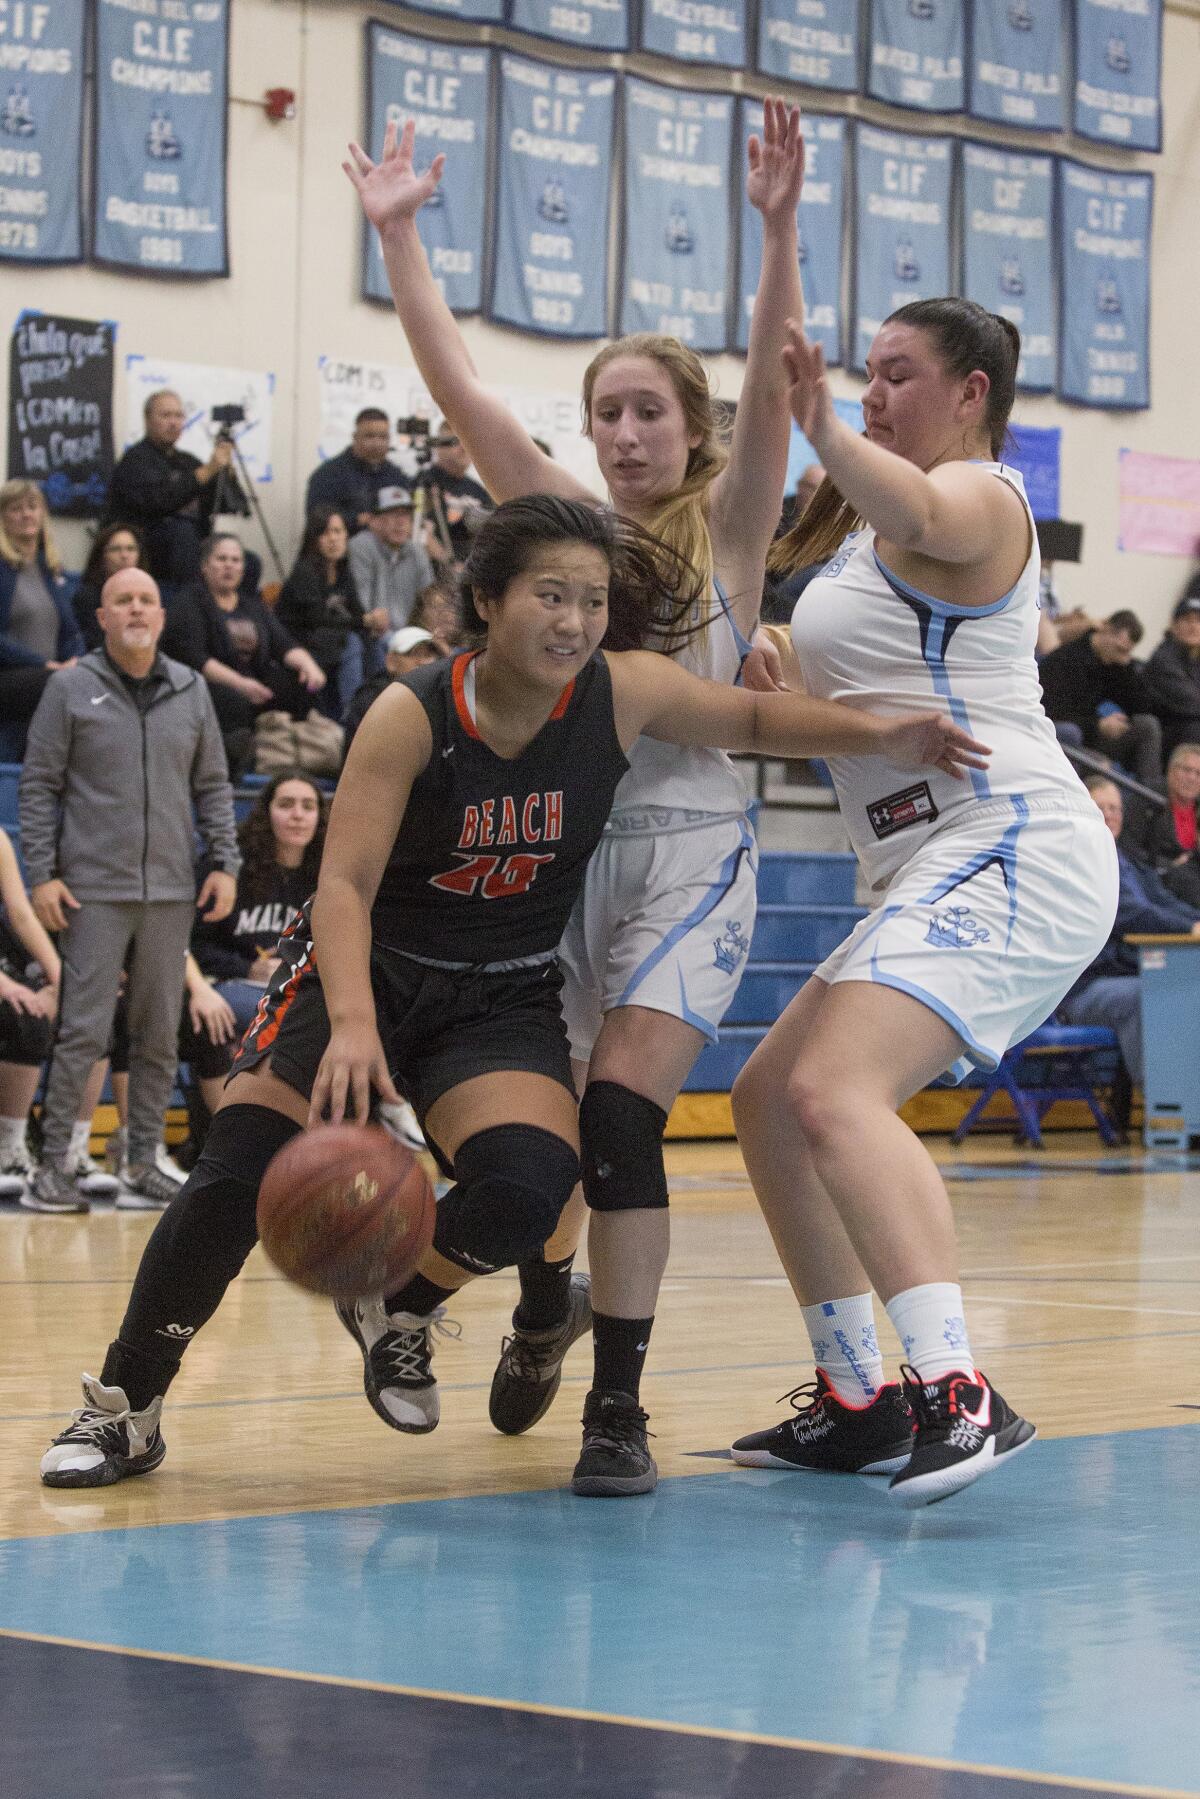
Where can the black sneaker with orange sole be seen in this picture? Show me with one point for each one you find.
(827, 1436)
(964, 1429)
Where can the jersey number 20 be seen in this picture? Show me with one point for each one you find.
(497, 877)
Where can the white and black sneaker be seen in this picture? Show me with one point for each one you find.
(105, 1442)
(16, 1172)
(827, 1436)
(52, 1188)
(145, 1189)
(92, 1178)
(529, 1371)
(964, 1429)
(400, 1122)
(397, 1352)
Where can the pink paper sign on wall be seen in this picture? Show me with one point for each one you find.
(1160, 504)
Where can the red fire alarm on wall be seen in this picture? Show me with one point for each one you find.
(279, 103)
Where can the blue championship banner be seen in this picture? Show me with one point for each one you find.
(820, 221)
(475, 12)
(444, 90)
(814, 42)
(592, 24)
(1118, 72)
(41, 131)
(1018, 63)
(1008, 264)
(902, 234)
(708, 31)
(161, 87)
(1104, 234)
(554, 157)
(916, 53)
(677, 214)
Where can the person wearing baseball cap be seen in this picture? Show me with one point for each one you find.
(390, 570)
(406, 649)
(1173, 674)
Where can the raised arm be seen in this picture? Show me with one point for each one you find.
(392, 193)
(747, 496)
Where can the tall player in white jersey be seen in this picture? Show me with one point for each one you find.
(656, 946)
(995, 892)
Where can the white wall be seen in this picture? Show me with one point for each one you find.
(294, 249)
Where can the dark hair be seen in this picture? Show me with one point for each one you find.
(965, 337)
(1126, 621)
(208, 547)
(651, 591)
(93, 573)
(257, 839)
(369, 414)
(314, 528)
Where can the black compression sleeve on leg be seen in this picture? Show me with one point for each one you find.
(196, 1249)
(621, 1149)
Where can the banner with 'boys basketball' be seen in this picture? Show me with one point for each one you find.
(41, 132)
(815, 42)
(162, 79)
(592, 24)
(902, 228)
(1104, 238)
(554, 160)
(443, 88)
(1018, 64)
(1118, 72)
(1007, 210)
(676, 248)
(916, 52)
(820, 221)
(708, 31)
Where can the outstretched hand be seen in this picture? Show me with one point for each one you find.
(776, 161)
(809, 397)
(931, 740)
(391, 189)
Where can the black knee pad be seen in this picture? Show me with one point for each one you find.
(621, 1149)
(512, 1183)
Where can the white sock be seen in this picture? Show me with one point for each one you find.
(12, 1138)
(845, 1348)
(81, 1136)
(932, 1330)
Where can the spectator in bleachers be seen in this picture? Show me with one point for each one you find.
(453, 500)
(391, 571)
(122, 748)
(1108, 992)
(1096, 699)
(29, 979)
(1168, 838)
(1173, 676)
(251, 663)
(38, 632)
(349, 483)
(408, 648)
(439, 611)
(169, 494)
(319, 605)
(115, 547)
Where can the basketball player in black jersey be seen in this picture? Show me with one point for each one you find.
(473, 795)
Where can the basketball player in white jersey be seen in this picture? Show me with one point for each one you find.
(994, 893)
(661, 931)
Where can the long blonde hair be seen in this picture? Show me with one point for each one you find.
(10, 493)
(817, 534)
(681, 521)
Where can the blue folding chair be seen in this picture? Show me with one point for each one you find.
(1058, 1061)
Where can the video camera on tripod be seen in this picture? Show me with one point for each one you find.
(231, 496)
(416, 428)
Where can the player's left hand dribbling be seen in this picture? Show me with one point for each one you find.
(931, 740)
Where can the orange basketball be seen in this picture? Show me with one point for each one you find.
(346, 1211)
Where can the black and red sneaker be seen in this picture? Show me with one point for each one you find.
(964, 1429)
(827, 1436)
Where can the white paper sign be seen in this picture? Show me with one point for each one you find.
(201, 388)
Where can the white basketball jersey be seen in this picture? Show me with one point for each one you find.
(667, 776)
(864, 636)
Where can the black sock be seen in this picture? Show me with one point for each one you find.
(620, 1346)
(141, 1377)
(545, 1293)
(418, 1296)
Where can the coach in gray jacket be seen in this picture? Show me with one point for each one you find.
(121, 748)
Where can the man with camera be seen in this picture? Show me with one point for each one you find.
(454, 502)
(350, 482)
(169, 495)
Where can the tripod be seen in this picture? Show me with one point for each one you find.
(241, 497)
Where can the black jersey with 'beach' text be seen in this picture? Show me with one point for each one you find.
(491, 851)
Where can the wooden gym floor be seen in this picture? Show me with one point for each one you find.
(301, 1602)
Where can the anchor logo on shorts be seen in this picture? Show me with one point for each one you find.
(732, 948)
(956, 928)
